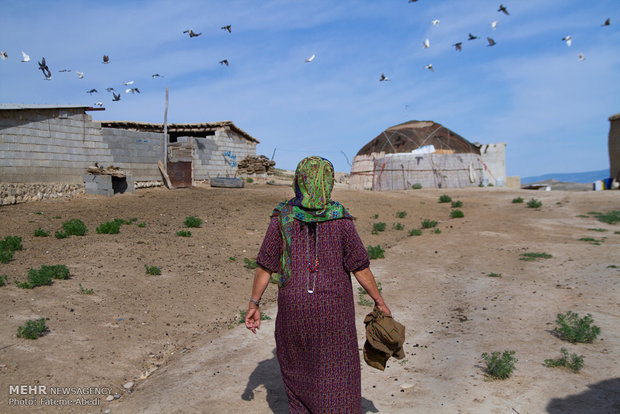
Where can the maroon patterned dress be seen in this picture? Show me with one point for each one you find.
(316, 340)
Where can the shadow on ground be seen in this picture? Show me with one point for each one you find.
(267, 374)
(602, 397)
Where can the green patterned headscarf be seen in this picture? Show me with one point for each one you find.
(313, 184)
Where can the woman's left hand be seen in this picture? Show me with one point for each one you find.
(252, 318)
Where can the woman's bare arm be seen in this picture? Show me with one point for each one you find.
(367, 280)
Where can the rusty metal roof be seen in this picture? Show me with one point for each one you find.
(412, 135)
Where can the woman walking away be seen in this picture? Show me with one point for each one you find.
(313, 245)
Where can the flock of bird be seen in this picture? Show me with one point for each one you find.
(44, 68)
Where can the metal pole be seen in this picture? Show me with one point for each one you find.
(274, 154)
(166, 133)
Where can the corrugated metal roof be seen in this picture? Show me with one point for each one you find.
(13, 107)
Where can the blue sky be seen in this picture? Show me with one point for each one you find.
(530, 90)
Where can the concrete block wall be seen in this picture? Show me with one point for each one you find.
(135, 152)
(494, 158)
(218, 155)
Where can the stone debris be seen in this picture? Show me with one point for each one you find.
(255, 165)
(22, 193)
(109, 398)
(128, 385)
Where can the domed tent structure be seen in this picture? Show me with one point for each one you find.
(425, 153)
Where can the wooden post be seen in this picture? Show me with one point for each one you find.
(166, 133)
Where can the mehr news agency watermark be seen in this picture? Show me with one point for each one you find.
(42, 395)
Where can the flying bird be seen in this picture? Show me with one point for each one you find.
(106, 59)
(607, 22)
(109, 89)
(430, 67)
(427, 43)
(99, 104)
(3, 55)
(132, 90)
(472, 37)
(503, 10)
(435, 22)
(191, 33)
(224, 62)
(25, 57)
(116, 97)
(383, 78)
(568, 40)
(64, 70)
(581, 57)
(128, 83)
(494, 25)
(458, 46)
(491, 41)
(80, 75)
(227, 27)
(412, 1)
(92, 91)
(156, 75)
(45, 69)
(311, 58)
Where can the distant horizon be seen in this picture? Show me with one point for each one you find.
(583, 177)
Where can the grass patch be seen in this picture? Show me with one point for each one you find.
(582, 216)
(249, 263)
(263, 317)
(531, 256)
(517, 200)
(494, 274)
(573, 329)
(74, 227)
(38, 213)
(232, 258)
(375, 216)
(3, 280)
(611, 217)
(375, 252)
(364, 300)
(398, 226)
(592, 240)
(6, 256)
(599, 230)
(84, 291)
(60, 234)
(573, 361)
(436, 231)
(193, 222)
(500, 365)
(109, 227)
(401, 214)
(44, 275)
(415, 232)
(184, 233)
(612, 267)
(11, 243)
(377, 227)
(33, 329)
(457, 213)
(534, 203)
(444, 198)
(41, 233)
(152, 270)
(428, 224)
(457, 204)
(249, 180)
(416, 186)
(143, 224)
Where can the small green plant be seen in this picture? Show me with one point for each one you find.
(363, 299)
(84, 291)
(399, 226)
(599, 230)
(517, 200)
(494, 274)
(415, 232)
(249, 180)
(41, 233)
(44, 275)
(3, 280)
(263, 317)
(11, 243)
(232, 258)
(6, 256)
(109, 227)
(533, 203)
(491, 185)
(191, 221)
(377, 227)
(375, 252)
(74, 227)
(582, 216)
(611, 217)
(184, 233)
(574, 362)
(428, 224)
(592, 240)
(612, 267)
(33, 329)
(152, 270)
(57, 217)
(401, 214)
(575, 330)
(416, 186)
(249, 263)
(531, 256)
(444, 198)
(436, 230)
(456, 213)
(38, 213)
(60, 234)
(143, 224)
(375, 216)
(457, 204)
(500, 365)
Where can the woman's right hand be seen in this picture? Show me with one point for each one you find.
(252, 318)
(380, 304)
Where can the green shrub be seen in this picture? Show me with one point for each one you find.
(263, 317)
(249, 180)
(109, 227)
(375, 216)
(428, 224)
(575, 330)
(500, 366)
(401, 214)
(436, 230)
(143, 224)
(74, 227)
(494, 274)
(184, 233)
(249, 263)
(38, 213)
(191, 221)
(611, 217)
(457, 213)
(11, 243)
(531, 256)
(375, 252)
(574, 362)
(57, 217)
(32, 329)
(457, 204)
(84, 291)
(3, 280)
(44, 275)
(152, 270)
(60, 234)
(398, 226)
(377, 227)
(444, 198)
(599, 230)
(417, 186)
(533, 203)
(415, 232)
(517, 200)
(41, 233)
(6, 256)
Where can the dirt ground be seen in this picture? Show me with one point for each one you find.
(176, 335)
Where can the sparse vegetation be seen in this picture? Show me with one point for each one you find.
(612, 267)
(364, 298)
(573, 361)
(232, 258)
(60, 234)
(582, 216)
(41, 233)
(11, 243)
(574, 329)
(457, 213)
(3, 280)
(377, 227)
(191, 221)
(592, 240)
(599, 230)
(428, 224)
(249, 180)
(38, 213)
(44, 275)
(398, 226)
(143, 224)
(33, 329)
(457, 204)
(84, 291)
(436, 230)
(494, 274)
(249, 263)
(444, 198)
(375, 252)
(415, 232)
(184, 233)
(416, 186)
(152, 270)
(6, 256)
(401, 214)
(534, 203)
(531, 256)
(375, 216)
(274, 278)
(109, 227)
(74, 227)
(517, 200)
(611, 217)
(500, 365)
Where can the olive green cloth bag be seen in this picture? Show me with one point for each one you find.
(384, 339)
